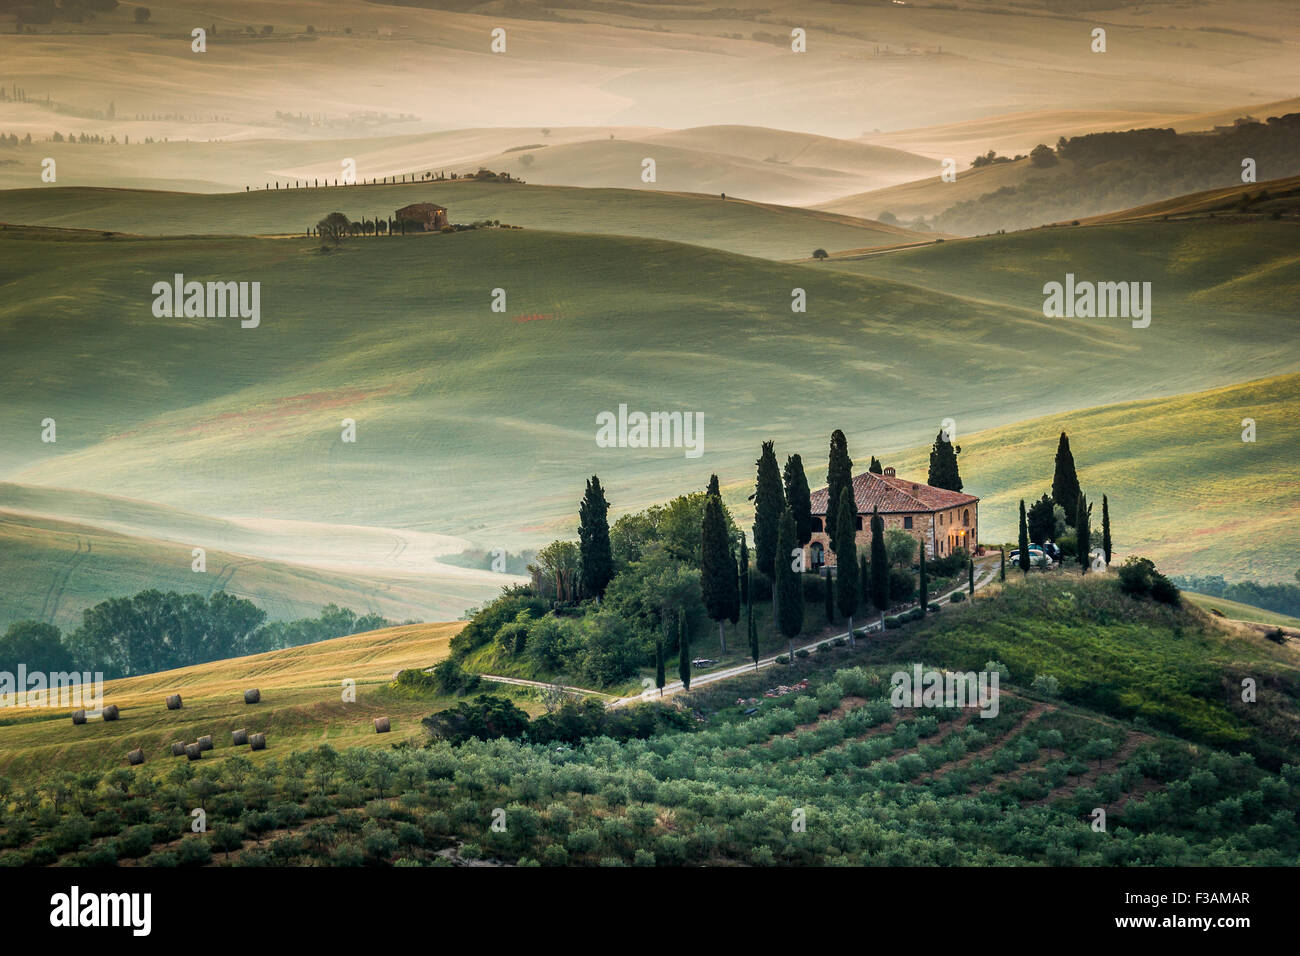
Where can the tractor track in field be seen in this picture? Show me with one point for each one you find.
(54, 596)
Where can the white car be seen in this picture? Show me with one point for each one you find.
(1037, 557)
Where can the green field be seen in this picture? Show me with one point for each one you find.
(1236, 611)
(1183, 487)
(481, 424)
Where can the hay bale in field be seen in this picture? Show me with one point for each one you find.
(173, 701)
(110, 712)
(135, 757)
(205, 742)
(178, 749)
(253, 696)
(78, 717)
(382, 725)
(194, 751)
(257, 741)
(239, 737)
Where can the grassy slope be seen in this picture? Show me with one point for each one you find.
(736, 226)
(1236, 611)
(301, 705)
(1128, 658)
(398, 335)
(1183, 487)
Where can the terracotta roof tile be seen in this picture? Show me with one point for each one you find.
(893, 495)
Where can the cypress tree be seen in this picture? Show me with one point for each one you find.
(924, 584)
(1024, 540)
(718, 581)
(875, 468)
(743, 571)
(660, 678)
(879, 566)
(943, 464)
(829, 594)
(864, 581)
(970, 573)
(683, 651)
(846, 560)
(734, 617)
(798, 497)
(1002, 571)
(753, 637)
(713, 486)
(769, 502)
(593, 540)
(1065, 483)
(1083, 531)
(1105, 528)
(839, 475)
(788, 587)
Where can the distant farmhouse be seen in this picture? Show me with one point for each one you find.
(428, 215)
(940, 520)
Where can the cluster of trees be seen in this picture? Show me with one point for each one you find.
(11, 139)
(1282, 598)
(488, 717)
(1065, 515)
(155, 631)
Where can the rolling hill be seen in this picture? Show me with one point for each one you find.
(399, 336)
(741, 226)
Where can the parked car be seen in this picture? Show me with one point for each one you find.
(1037, 557)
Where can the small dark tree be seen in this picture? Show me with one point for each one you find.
(1105, 528)
(970, 574)
(798, 498)
(683, 651)
(787, 587)
(1024, 540)
(864, 581)
(769, 503)
(879, 565)
(753, 636)
(943, 464)
(660, 678)
(924, 584)
(593, 540)
(1002, 569)
(839, 475)
(828, 593)
(1042, 519)
(1083, 531)
(718, 581)
(742, 569)
(846, 560)
(876, 468)
(820, 254)
(1065, 483)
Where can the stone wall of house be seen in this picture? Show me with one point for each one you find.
(935, 531)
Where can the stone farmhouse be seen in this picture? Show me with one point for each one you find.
(427, 215)
(940, 520)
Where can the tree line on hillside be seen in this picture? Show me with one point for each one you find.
(1282, 598)
(643, 590)
(155, 631)
(1117, 170)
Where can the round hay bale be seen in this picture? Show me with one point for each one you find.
(194, 751)
(253, 696)
(257, 741)
(110, 712)
(173, 701)
(205, 742)
(239, 737)
(78, 716)
(136, 757)
(178, 749)
(381, 725)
